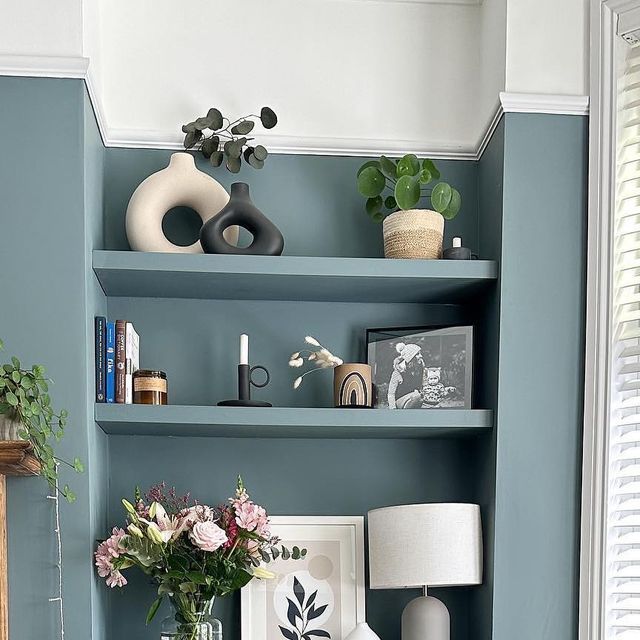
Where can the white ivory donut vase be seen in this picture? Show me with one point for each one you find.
(179, 184)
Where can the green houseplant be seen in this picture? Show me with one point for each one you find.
(220, 139)
(26, 413)
(393, 189)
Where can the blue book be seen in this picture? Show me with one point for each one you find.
(100, 358)
(111, 362)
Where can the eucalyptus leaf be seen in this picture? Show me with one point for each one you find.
(215, 118)
(371, 182)
(216, 158)
(234, 164)
(242, 128)
(192, 138)
(268, 118)
(407, 192)
(209, 146)
(254, 162)
(202, 123)
(188, 128)
(260, 152)
(441, 196)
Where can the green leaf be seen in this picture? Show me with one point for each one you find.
(408, 165)
(441, 196)
(216, 158)
(15, 376)
(407, 192)
(216, 119)
(388, 167)
(366, 165)
(210, 145)
(373, 205)
(242, 128)
(260, 152)
(77, 465)
(378, 217)
(15, 362)
(268, 118)
(430, 166)
(371, 182)
(153, 609)
(454, 206)
(425, 176)
(68, 494)
(11, 398)
(234, 164)
(390, 202)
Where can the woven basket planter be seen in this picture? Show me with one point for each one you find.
(9, 428)
(415, 233)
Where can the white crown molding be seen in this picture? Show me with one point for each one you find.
(43, 66)
(78, 67)
(556, 104)
(458, 2)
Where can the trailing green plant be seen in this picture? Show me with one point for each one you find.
(228, 141)
(400, 184)
(24, 397)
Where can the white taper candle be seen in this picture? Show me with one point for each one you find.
(244, 349)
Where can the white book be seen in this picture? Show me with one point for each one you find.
(132, 341)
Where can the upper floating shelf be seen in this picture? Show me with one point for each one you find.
(288, 422)
(168, 275)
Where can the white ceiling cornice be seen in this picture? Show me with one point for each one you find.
(78, 67)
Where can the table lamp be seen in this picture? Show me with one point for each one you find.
(425, 545)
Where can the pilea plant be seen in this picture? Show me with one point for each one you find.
(228, 141)
(24, 398)
(391, 185)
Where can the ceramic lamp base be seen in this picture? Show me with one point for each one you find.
(426, 618)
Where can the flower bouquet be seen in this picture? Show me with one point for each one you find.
(193, 553)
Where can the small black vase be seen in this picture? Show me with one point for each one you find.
(267, 239)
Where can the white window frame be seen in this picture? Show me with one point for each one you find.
(602, 145)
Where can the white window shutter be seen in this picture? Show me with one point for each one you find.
(622, 615)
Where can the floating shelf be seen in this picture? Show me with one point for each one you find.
(16, 459)
(278, 422)
(169, 275)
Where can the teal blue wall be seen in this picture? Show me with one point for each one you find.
(539, 410)
(43, 264)
(524, 206)
(313, 199)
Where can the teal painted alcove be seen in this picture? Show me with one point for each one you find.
(69, 199)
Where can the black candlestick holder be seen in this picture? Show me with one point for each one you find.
(245, 380)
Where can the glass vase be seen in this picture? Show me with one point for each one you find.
(192, 619)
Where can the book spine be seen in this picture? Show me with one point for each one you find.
(100, 330)
(121, 360)
(111, 362)
(132, 362)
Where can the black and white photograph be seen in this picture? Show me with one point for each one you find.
(421, 368)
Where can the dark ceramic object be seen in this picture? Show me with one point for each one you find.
(267, 239)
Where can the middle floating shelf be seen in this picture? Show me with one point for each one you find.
(288, 422)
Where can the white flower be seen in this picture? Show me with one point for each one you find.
(337, 361)
(294, 356)
(263, 574)
(296, 362)
(313, 355)
(312, 340)
(297, 382)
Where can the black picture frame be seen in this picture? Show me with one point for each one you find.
(421, 367)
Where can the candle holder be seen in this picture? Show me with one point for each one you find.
(245, 380)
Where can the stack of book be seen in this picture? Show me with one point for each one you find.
(117, 357)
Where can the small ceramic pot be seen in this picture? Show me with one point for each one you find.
(415, 233)
(362, 632)
(9, 428)
(352, 386)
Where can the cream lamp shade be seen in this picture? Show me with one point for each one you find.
(425, 545)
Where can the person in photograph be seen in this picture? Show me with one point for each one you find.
(406, 354)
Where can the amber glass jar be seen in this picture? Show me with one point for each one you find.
(149, 387)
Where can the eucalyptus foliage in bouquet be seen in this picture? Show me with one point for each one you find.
(191, 551)
(400, 184)
(25, 401)
(227, 140)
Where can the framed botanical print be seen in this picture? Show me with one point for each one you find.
(320, 596)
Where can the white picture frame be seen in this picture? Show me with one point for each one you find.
(330, 541)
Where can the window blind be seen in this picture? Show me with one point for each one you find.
(622, 573)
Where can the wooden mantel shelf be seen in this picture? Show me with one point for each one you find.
(17, 459)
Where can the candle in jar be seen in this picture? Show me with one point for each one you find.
(244, 349)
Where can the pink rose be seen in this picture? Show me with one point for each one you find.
(207, 536)
(252, 517)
